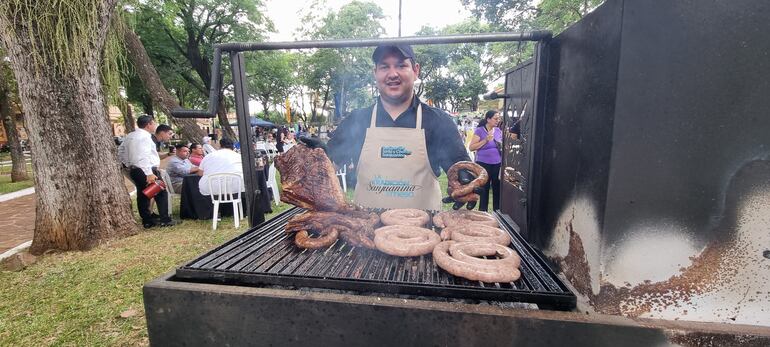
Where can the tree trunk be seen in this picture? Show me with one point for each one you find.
(227, 130)
(81, 198)
(19, 166)
(128, 115)
(188, 128)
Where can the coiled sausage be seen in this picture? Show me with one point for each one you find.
(460, 259)
(405, 240)
(405, 216)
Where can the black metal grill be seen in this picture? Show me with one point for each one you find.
(265, 255)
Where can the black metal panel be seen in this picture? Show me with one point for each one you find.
(515, 184)
(266, 255)
(255, 196)
(692, 109)
(522, 160)
(578, 116)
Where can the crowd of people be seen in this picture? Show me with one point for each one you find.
(139, 153)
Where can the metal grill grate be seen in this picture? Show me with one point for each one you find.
(265, 255)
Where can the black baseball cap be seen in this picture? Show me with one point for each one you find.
(405, 50)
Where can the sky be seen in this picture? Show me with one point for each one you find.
(414, 14)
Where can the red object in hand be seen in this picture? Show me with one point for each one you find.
(153, 189)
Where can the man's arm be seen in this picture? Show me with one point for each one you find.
(346, 141)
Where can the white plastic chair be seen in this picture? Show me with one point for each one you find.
(272, 184)
(169, 187)
(224, 188)
(342, 172)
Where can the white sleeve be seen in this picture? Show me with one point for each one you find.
(140, 153)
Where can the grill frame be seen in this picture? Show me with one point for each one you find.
(249, 260)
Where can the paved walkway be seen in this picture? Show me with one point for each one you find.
(17, 217)
(17, 221)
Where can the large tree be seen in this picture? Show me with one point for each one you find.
(7, 116)
(180, 34)
(160, 96)
(345, 72)
(56, 49)
(270, 77)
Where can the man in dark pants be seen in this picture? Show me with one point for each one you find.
(138, 153)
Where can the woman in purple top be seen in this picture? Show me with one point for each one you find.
(486, 140)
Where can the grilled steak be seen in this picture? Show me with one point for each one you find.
(309, 180)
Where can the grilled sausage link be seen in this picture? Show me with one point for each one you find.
(476, 232)
(457, 190)
(405, 240)
(461, 259)
(405, 216)
(449, 218)
(326, 238)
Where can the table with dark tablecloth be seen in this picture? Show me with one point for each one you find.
(195, 205)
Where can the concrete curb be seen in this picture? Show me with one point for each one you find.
(20, 248)
(17, 194)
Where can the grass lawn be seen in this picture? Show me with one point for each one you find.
(7, 187)
(76, 298)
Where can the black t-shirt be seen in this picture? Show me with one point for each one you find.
(445, 147)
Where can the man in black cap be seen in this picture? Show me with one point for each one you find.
(400, 144)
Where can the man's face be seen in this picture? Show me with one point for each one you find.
(183, 152)
(395, 78)
(198, 150)
(164, 136)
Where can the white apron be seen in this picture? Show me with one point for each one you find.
(394, 171)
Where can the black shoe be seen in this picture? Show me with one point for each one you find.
(170, 223)
(155, 218)
(149, 225)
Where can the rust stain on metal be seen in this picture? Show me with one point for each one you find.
(717, 267)
(700, 339)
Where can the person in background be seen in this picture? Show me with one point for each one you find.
(487, 141)
(196, 154)
(280, 136)
(179, 166)
(139, 154)
(163, 133)
(225, 160)
(207, 147)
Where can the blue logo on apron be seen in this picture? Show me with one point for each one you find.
(394, 152)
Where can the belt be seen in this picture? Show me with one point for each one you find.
(136, 167)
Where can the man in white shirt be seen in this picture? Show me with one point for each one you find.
(225, 160)
(139, 155)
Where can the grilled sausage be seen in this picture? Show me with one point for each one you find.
(449, 218)
(405, 240)
(460, 259)
(457, 190)
(405, 216)
(326, 238)
(475, 232)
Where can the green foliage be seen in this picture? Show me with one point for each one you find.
(179, 36)
(346, 71)
(65, 32)
(518, 15)
(271, 76)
